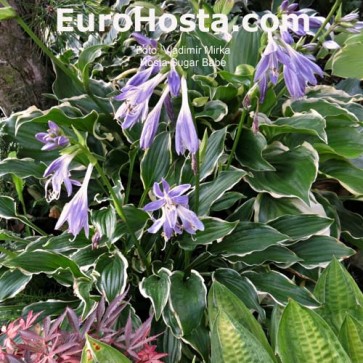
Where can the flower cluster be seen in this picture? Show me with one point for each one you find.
(26, 341)
(136, 95)
(176, 215)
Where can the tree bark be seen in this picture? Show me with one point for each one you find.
(23, 75)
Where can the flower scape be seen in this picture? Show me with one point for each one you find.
(189, 196)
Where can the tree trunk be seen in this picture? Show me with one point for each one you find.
(23, 75)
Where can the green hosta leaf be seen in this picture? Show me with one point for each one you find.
(268, 208)
(280, 288)
(11, 283)
(296, 170)
(349, 176)
(244, 49)
(214, 229)
(347, 62)
(249, 151)
(50, 307)
(39, 261)
(320, 105)
(279, 255)
(320, 250)
(223, 6)
(216, 110)
(7, 13)
(172, 345)
(22, 168)
(227, 201)
(302, 226)
(199, 339)
(351, 338)
(248, 237)
(212, 191)
(310, 123)
(96, 351)
(305, 337)
(214, 150)
(188, 300)
(241, 287)
(113, 276)
(89, 55)
(156, 161)
(105, 221)
(339, 294)
(235, 332)
(157, 289)
(7, 208)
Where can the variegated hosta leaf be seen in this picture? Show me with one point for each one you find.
(304, 336)
(339, 295)
(157, 289)
(296, 170)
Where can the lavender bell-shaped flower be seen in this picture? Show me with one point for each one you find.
(174, 80)
(145, 41)
(152, 122)
(52, 139)
(186, 137)
(176, 215)
(59, 174)
(75, 212)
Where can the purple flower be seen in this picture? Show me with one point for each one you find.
(298, 70)
(186, 137)
(145, 41)
(176, 215)
(59, 172)
(136, 101)
(52, 139)
(152, 122)
(75, 212)
(174, 80)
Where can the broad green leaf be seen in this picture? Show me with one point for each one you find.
(216, 110)
(104, 220)
(187, 299)
(50, 307)
(351, 338)
(267, 208)
(320, 250)
(7, 208)
(227, 201)
(214, 150)
(347, 62)
(155, 163)
(305, 337)
(199, 340)
(11, 283)
(157, 289)
(280, 288)
(241, 287)
(214, 229)
(96, 351)
(244, 49)
(302, 226)
(211, 191)
(172, 345)
(310, 123)
(248, 237)
(241, 331)
(324, 107)
(223, 6)
(249, 151)
(349, 176)
(7, 13)
(339, 295)
(89, 55)
(278, 255)
(296, 170)
(113, 276)
(22, 168)
(39, 261)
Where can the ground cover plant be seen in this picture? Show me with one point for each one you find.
(187, 206)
